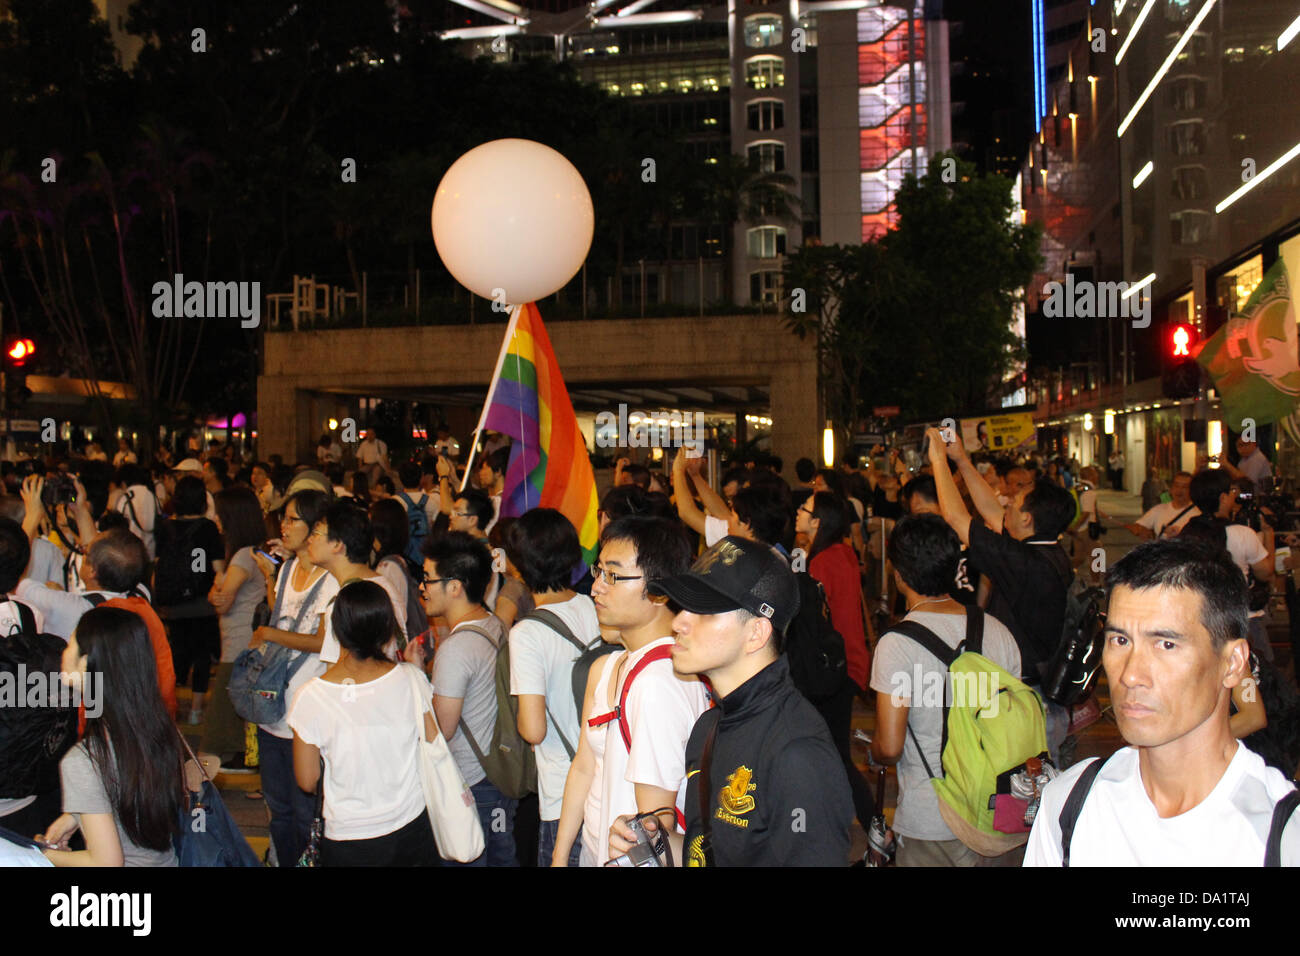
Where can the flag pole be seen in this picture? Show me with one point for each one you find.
(492, 387)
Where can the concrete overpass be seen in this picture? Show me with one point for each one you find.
(737, 363)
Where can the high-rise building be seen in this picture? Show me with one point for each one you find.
(1168, 159)
(845, 97)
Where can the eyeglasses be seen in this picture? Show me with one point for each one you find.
(460, 514)
(426, 582)
(610, 577)
(806, 511)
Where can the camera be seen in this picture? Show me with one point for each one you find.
(649, 846)
(61, 490)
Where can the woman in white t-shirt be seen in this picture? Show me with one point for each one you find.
(359, 718)
(298, 595)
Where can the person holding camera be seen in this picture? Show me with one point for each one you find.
(637, 713)
(1251, 551)
(764, 783)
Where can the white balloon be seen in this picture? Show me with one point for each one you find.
(512, 220)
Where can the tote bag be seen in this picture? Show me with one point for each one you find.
(452, 810)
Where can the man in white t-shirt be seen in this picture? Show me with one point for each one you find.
(925, 554)
(340, 542)
(1184, 792)
(544, 548)
(372, 455)
(1166, 519)
(457, 568)
(447, 445)
(638, 713)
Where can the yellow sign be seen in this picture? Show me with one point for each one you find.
(998, 432)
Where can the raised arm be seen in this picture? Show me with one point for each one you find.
(682, 497)
(983, 497)
(713, 502)
(951, 507)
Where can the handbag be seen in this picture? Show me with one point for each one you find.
(453, 812)
(208, 834)
(259, 680)
(311, 852)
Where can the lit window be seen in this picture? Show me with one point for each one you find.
(763, 30)
(765, 72)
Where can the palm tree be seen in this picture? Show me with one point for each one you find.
(738, 190)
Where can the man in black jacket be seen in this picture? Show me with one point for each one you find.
(764, 784)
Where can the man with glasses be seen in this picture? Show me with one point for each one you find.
(340, 543)
(637, 712)
(456, 572)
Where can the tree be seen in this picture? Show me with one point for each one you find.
(922, 317)
(738, 190)
(852, 296)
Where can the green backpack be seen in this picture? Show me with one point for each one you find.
(508, 761)
(992, 724)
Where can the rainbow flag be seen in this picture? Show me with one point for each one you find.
(528, 401)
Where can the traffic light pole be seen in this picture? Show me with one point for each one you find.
(4, 389)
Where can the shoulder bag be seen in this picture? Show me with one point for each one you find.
(452, 810)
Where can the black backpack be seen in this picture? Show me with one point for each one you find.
(32, 739)
(813, 647)
(1279, 742)
(588, 654)
(1073, 669)
(175, 580)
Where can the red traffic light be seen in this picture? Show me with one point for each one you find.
(1182, 338)
(20, 350)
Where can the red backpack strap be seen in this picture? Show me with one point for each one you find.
(658, 654)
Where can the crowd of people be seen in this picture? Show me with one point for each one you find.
(687, 699)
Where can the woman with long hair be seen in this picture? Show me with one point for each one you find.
(236, 593)
(359, 718)
(392, 530)
(824, 520)
(123, 783)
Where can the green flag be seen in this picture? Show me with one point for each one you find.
(1253, 358)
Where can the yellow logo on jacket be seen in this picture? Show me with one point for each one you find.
(734, 799)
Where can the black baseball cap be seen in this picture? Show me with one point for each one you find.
(736, 573)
